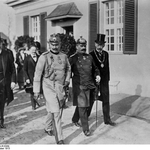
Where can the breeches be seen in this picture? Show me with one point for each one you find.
(53, 122)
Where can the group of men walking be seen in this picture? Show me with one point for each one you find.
(52, 73)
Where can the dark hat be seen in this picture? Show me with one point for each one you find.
(81, 40)
(100, 39)
(54, 39)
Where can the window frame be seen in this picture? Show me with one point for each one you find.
(35, 25)
(114, 26)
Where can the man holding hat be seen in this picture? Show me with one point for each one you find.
(101, 59)
(54, 70)
(82, 65)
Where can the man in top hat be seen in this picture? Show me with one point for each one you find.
(101, 59)
(83, 85)
(54, 70)
(7, 80)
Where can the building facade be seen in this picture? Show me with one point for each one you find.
(125, 23)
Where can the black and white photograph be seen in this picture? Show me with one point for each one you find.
(74, 72)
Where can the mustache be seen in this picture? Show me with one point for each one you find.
(84, 49)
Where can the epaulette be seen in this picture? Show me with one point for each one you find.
(45, 53)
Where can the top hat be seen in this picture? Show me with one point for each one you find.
(81, 40)
(54, 39)
(100, 39)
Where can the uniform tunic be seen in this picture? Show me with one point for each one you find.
(82, 81)
(54, 69)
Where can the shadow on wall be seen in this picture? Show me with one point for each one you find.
(138, 90)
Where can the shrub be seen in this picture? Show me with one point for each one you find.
(68, 44)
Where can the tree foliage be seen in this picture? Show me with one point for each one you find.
(68, 44)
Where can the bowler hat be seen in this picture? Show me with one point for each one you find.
(81, 40)
(100, 39)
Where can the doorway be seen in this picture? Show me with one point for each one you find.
(68, 29)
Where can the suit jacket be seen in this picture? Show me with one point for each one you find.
(9, 73)
(104, 71)
(29, 68)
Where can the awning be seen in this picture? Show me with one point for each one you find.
(68, 10)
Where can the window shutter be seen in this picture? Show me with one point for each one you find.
(26, 25)
(130, 27)
(92, 25)
(43, 30)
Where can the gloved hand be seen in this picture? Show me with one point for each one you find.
(13, 84)
(98, 78)
(36, 95)
(27, 81)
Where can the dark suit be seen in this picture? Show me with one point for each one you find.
(20, 69)
(7, 75)
(29, 69)
(104, 83)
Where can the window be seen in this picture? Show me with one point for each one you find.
(36, 28)
(113, 24)
(120, 25)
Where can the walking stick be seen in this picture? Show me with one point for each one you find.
(96, 113)
(66, 96)
(98, 88)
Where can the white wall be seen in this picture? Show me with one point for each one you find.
(134, 70)
(7, 20)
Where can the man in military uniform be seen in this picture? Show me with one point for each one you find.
(82, 65)
(7, 80)
(54, 70)
(101, 59)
